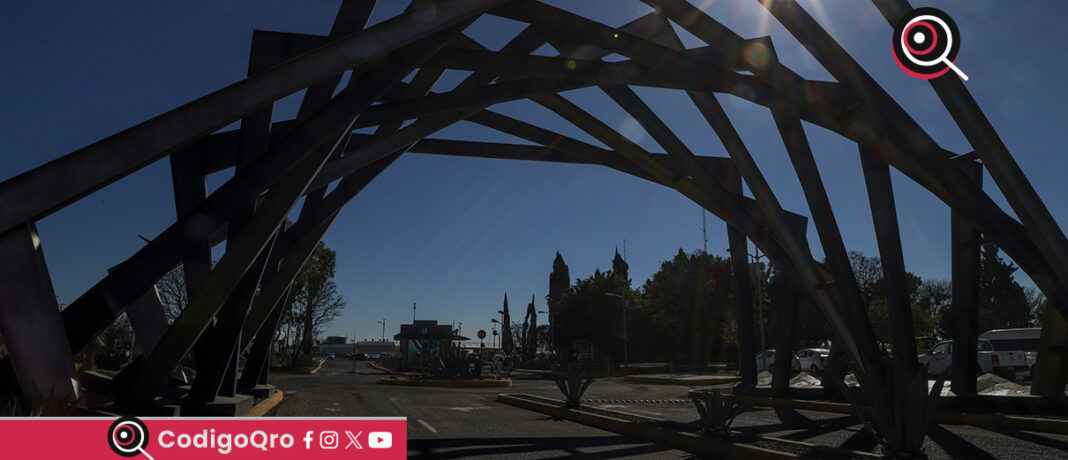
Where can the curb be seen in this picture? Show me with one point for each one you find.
(447, 383)
(313, 371)
(688, 381)
(379, 367)
(265, 406)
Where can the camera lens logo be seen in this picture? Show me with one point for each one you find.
(926, 43)
(328, 440)
(128, 437)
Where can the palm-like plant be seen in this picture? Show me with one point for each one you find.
(901, 407)
(573, 379)
(717, 412)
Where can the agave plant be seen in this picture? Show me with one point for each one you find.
(573, 379)
(717, 412)
(901, 407)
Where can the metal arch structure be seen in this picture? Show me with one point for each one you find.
(233, 306)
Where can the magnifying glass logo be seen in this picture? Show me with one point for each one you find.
(925, 44)
(128, 437)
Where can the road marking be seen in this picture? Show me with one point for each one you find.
(427, 425)
(468, 409)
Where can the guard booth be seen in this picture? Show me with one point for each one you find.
(424, 343)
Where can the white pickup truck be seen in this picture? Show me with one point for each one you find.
(1003, 363)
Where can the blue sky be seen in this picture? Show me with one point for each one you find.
(455, 234)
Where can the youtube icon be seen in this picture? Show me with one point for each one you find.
(380, 440)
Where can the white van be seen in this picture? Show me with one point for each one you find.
(1023, 339)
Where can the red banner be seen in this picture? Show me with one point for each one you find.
(187, 437)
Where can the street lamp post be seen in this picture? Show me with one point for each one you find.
(383, 323)
(494, 328)
(626, 306)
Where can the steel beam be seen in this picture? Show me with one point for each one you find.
(190, 190)
(1050, 372)
(259, 356)
(310, 227)
(327, 124)
(41, 191)
(784, 305)
(906, 146)
(808, 174)
(888, 236)
(148, 320)
(743, 290)
(216, 369)
(642, 51)
(1028, 206)
(212, 358)
(965, 240)
(30, 322)
(84, 319)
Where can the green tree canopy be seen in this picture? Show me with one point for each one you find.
(690, 298)
(313, 301)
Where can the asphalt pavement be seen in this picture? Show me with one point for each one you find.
(469, 423)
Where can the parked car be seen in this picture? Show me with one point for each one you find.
(329, 356)
(1004, 363)
(1023, 339)
(924, 344)
(811, 359)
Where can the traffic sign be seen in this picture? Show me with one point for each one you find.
(481, 334)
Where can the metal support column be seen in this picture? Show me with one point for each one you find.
(30, 322)
(743, 294)
(148, 320)
(965, 241)
(1050, 372)
(888, 235)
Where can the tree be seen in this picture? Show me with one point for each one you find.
(529, 338)
(690, 298)
(585, 312)
(620, 267)
(559, 283)
(589, 314)
(930, 301)
(313, 300)
(507, 345)
(519, 335)
(111, 349)
(872, 284)
(1003, 303)
(172, 292)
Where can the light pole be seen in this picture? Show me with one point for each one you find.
(413, 312)
(626, 306)
(383, 323)
(494, 328)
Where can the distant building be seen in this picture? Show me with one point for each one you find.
(376, 346)
(335, 340)
(422, 341)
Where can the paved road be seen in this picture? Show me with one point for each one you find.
(460, 422)
(453, 422)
